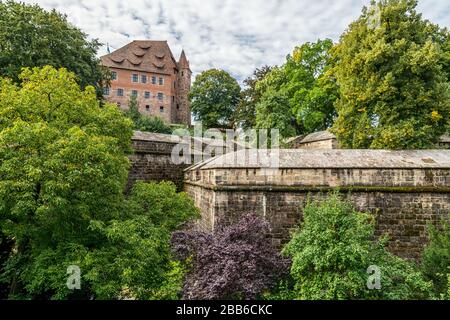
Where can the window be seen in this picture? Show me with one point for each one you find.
(178, 107)
(134, 93)
(161, 109)
(147, 107)
(147, 95)
(144, 79)
(182, 73)
(106, 91)
(160, 96)
(161, 81)
(173, 98)
(113, 75)
(120, 92)
(174, 85)
(135, 78)
(153, 80)
(119, 104)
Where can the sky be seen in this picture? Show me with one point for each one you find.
(235, 35)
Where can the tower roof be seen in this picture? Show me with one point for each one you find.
(183, 63)
(144, 55)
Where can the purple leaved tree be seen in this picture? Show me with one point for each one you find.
(235, 262)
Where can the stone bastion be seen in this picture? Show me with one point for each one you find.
(404, 189)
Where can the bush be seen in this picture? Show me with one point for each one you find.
(236, 262)
(133, 261)
(436, 257)
(333, 250)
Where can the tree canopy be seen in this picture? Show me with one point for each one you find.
(63, 169)
(394, 91)
(305, 91)
(214, 97)
(33, 37)
(245, 114)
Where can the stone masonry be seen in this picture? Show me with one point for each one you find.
(404, 189)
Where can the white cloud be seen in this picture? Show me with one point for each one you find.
(234, 35)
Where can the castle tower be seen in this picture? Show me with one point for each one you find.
(183, 107)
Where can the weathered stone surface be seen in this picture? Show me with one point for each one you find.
(152, 159)
(405, 189)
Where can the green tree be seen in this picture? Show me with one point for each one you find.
(436, 257)
(63, 169)
(214, 97)
(62, 160)
(245, 115)
(146, 123)
(273, 112)
(33, 37)
(394, 92)
(310, 86)
(332, 251)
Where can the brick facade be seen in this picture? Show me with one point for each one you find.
(149, 69)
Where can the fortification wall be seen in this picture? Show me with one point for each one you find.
(152, 160)
(404, 190)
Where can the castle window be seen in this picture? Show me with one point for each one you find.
(161, 109)
(120, 92)
(113, 75)
(134, 93)
(106, 91)
(153, 80)
(178, 107)
(161, 81)
(144, 79)
(135, 78)
(160, 96)
(147, 95)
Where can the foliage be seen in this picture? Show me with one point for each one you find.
(214, 97)
(64, 168)
(235, 262)
(245, 115)
(33, 37)
(311, 88)
(146, 123)
(436, 257)
(307, 87)
(333, 250)
(394, 92)
(273, 112)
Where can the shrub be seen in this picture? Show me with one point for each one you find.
(436, 257)
(333, 250)
(235, 262)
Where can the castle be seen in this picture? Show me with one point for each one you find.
(148, 71)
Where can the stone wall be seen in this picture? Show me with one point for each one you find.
(405, 190)
(152, 160)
